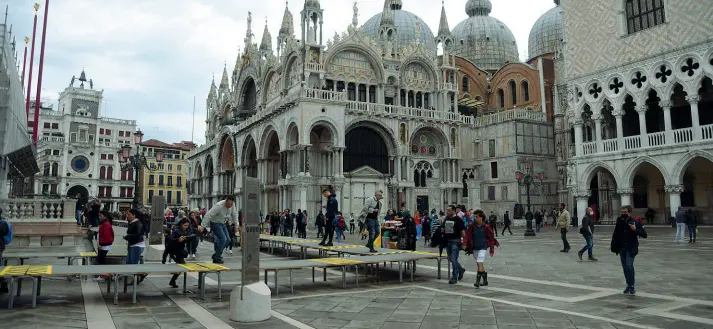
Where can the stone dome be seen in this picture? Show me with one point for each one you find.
(405, 23)
(547, 33)
(484, 40)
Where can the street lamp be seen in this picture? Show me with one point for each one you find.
(527, 179)
(137, 162)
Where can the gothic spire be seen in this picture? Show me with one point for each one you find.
(387, 16)
(213, 90)
(249, 33)
(355, 18)
(224, 84)
(287, 28)
(266, 44)
(443, 29)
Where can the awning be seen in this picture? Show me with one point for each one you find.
(468, 102)
(23, 162)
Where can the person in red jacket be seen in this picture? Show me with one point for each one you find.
(106, 237)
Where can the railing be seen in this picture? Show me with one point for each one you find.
(683, 135)
(314, 67)
(324, 94)
(450, 86)
(632, 142)
(36, 208)
(589, 148)
(375, 108)
(707, 132)
(120, 121)
(610, 145)
(507, 115)
(657, 139)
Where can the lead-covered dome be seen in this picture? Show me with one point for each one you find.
(405, 23)
(484, 40)
(547, 33)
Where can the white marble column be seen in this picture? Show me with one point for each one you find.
(693, 100)
(674, 194)
(578, 137)
(582, 198)
(625, 196)
(618, 114)
(666, 106)
(642, 124)
(598, 131)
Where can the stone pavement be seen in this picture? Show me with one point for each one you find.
(532, 285)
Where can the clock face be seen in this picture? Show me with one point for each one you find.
(80, 163)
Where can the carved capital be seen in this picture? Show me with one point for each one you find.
(579, 195)
(641, 109)
(578, 122)
(666, 105)
(625, 191)
(618, 113)
(597, 117)
(677, 189)
(693, 99)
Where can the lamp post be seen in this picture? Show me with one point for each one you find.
(527, 179)
(137, 162)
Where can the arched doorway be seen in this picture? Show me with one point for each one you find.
(602, 187)
(275, 169)
(431, 145)
(227, 166)
(697, 180)
(250, 157)
(322, 155)
(208, 182)
(647, 183)
(365, 147)
(77, 190)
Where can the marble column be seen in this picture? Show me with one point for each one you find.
(582, 198)
(666, 106)
(598, 131)
(578, 137)
(625, 196)
(674, 194)
(618, 114)
(642, 125)
(693, 100)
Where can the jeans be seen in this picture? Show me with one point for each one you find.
(134, 255)
(590, 244)
(220, 240)
(372, 226)
(192, 245)
(78, 216)
(453, 252)
(691, 232)
(101, 256)
(680, 231)
(563, 233)
(506, 227)
(339, 234)
(627, 263)
(328, 232)
(537, 226)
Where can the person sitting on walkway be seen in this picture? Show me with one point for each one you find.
(215, 220)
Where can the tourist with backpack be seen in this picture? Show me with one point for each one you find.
(6, 234)
(340, 227)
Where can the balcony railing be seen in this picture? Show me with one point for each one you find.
(36, 208)
(657, 139)
(507, 115)
(401, 111)
(52, 139)
(324, 94)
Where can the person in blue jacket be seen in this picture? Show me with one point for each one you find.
(331, 216)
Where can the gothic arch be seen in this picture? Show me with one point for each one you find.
(437, 133)
(249, 156)
(370, 54)
(680, 168)
(632, 169)
(198, 172)
(267, 87)
(265, 138)
(327, 122)
(209, 166)
(291, 59)
(386, 134)
(292, 136)
(248, 92)
(429, 66)
(227, 153)
(591, 170)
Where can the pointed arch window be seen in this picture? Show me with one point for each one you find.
(465, 83)
(525, 90)
(422, 171)
(513, 92)
(643, 14)
(501, 98)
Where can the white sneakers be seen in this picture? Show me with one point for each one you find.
(230, 251)
(193, 256)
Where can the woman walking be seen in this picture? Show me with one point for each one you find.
(587, 231)
(134, 238)
(479, 237)
(106, 237)
(181, 233)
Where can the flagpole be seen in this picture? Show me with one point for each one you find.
(32, 64)
(39, 74)
(24, 62)
(193, 119)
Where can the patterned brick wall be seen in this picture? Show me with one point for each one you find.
(596, 39)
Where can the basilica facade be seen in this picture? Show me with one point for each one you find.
(430, 119)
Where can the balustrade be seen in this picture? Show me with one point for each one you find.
(35, 208)
(657, 139)
(683, 135)
(707, 132)
(632, 142)
(610, 145)
(589, 148)
(374, 108)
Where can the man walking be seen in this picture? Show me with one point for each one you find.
(331, 214)
(215, 220)
(680, 224)
(494, 222)
(4, 231)
(454, 230)
(625, 243)
(370, 216)
(587, 231)
(563, 222)
(506, 222)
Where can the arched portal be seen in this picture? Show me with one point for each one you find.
(77, 191)
(697, 183)
(429, 142)
(602, 186)
(197, 185)
(249, 159)
(209, 177)
(365, 147)
(647, 182)
(227, 166)
(248, 98)
(275, 168)
(322, 153)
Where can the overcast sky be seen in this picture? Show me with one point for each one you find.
(152, 57)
